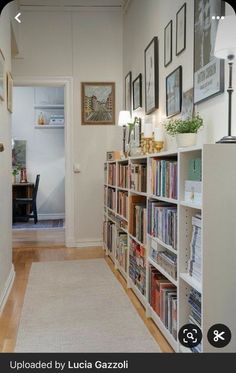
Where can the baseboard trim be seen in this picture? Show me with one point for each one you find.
(7, 288)
(51, 216)
(84, 243)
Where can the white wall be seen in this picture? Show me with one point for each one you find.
(146, 19)
(5, 162)
(87, 45)
(44, 154)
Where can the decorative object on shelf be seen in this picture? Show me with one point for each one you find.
(185, 131)
(137, 92)
(9, 92)
(193, 191)
(168, 44)
(128, 92)
(181, 30)
(158, 139)
(151, 76)
(41, 119)
(98, 103)
(174, 92)
(208, 70)
(15, 172)
(225, 48)
(187, 105)
(114, 155)
(23, 175)
(124, 119)
(2, 63)
(56, 119)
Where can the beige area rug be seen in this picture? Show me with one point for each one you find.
(79, 306)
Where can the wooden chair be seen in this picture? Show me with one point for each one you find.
(28, 201)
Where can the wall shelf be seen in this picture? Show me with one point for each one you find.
(48, 126)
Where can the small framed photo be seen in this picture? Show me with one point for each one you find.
(9, 92)
(98, 103)
(128, 92)
(151, 76)
(181, 30)
(187, 104)
(2, 62)
(137, 92)
(168, 44)
(174, 92)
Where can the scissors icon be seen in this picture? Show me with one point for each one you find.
(218, 336)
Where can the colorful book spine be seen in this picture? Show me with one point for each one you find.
(138, 177)
(122, 204)
(123, 176)
(137, 265)
(112, 174)
(163, 178)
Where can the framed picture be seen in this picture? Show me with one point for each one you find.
(208, 70)
(187, 104)
(128, 92)
(98, 103)
(2, 62)
(137, 92)
(9, 92)
(168, 44)
(151, 76)
(174, 92)
(181, 30)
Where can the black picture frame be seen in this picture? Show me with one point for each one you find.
(137, 92)
(181, 29)
(151, 63)
(168, 29)
(174, 92)
(128, 92)
(207, 86)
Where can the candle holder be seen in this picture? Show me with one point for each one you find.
(147, 144)
(158, 146)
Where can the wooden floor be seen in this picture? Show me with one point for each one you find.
(43, 247)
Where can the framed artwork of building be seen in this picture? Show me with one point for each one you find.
(98, 103)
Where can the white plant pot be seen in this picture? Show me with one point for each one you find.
(186, 139)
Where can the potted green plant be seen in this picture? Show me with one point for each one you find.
(15, 172)
(184, 130)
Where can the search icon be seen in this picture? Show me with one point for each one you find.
(190, 335)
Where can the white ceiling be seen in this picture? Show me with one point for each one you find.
(69, 3)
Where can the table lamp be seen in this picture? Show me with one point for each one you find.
(225, 48)
(124, 119)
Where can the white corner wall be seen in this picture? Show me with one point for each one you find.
(6, 268)
(85, 44)
(45, 154)
(146, 19)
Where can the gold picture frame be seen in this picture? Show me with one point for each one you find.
(97, 103)
(9, 92)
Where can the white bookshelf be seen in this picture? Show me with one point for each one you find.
(218, 280)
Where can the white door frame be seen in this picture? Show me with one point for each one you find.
(67, 83)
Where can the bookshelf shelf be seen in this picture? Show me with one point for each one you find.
(163, 244)
(164, 199)
(191, 281)
(160, 269)
(217, 238)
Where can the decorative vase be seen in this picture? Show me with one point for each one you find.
(186, 139)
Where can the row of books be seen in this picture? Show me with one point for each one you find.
(137, 266)
(138, 177)
(111, 198)
(123, 176)
(112, 174)
(163, 299)
(163, 178)
(194, 301)
(122, 249)
(122, 203)
(109, 235)
(140, 223)
(162, 222)
(194, 263)
(165, 259)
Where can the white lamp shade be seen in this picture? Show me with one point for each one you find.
(124, 118)
(225, 44)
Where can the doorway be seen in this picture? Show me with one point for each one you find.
(41, 141)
